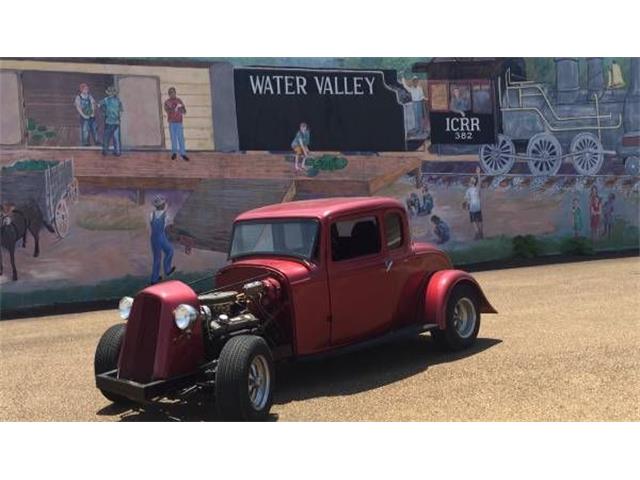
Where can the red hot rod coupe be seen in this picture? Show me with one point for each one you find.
(306, 278)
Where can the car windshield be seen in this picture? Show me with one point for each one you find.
(291, 237)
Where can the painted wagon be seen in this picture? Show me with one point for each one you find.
(50, 185)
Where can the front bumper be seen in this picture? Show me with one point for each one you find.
(144, 392)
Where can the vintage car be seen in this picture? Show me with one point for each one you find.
(306, 278)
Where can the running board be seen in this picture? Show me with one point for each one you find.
(411, 330)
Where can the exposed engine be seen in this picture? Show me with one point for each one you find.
(227, 312)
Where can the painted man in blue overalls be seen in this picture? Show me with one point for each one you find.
(159, 242)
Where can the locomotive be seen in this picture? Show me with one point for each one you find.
(487, 105)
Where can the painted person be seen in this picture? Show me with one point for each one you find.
(607, 212)
(111, 107)
(413, 204)
(86, 107)
(427, 200)
(300, 146)
(459, 103)
(472, 203)
(175, 109)
(576, 217)
(595, 211)
(160, 244)
(440, 230)
(418, 102)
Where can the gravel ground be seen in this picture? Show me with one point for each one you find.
(564, 347)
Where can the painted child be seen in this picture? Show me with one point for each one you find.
(595, 209)
(607, 211)
(576, 218)
(440, 230)
(300, 146)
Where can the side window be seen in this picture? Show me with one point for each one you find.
(393, 230)
(438, 96)
(354, 238)
(482, 98)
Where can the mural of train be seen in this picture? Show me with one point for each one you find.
(483, 106)
(489, 105)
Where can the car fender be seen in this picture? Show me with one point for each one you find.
(437, 292)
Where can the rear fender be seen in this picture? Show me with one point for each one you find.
(437, 292)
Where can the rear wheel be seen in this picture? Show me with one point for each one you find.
(245, 379)
(106, 357)
(588, 155)
(462, 320)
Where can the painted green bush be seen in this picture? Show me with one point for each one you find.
(576, 246)
(325, 163)
(525, 246)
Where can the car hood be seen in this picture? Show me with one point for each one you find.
(293, 271)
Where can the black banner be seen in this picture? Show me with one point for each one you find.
(470, 129)
(346, 110)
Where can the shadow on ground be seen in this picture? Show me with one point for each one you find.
(344, 375)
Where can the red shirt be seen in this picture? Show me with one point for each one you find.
(175, 109)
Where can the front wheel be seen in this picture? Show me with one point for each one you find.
(245, 379)
(499, 158)
(106, 357)
(632, 166)
(462, 321)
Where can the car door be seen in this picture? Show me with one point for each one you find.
(359, 284)
(397, 255)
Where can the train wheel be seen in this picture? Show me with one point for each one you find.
(544, 154)
(61, 219)
(632, 165)
(588, 155)
(498, 159)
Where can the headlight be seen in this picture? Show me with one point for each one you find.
(124, 307)
(184, 316)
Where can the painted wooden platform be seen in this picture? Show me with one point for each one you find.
(364, 174)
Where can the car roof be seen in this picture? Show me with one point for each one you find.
(320, 208)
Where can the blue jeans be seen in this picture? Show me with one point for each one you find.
(177, 138)
(160, 245)
(111, 132)
(88, 128)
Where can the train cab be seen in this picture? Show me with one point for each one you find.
(463, 103)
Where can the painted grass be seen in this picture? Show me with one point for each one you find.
(103, 213)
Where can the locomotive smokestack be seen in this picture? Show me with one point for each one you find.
(567, 80)
(595, 76)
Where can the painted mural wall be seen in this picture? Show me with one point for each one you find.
(119, 173)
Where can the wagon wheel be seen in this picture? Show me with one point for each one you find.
(587, 153)
(73, 192)
(544, 154)
(61, 218)
(498, 159)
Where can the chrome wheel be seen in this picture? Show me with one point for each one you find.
(544, 154)
(587, 153)
(259, 382)
(464, 317)
(498, 159)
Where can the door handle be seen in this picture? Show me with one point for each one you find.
(388, 263)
